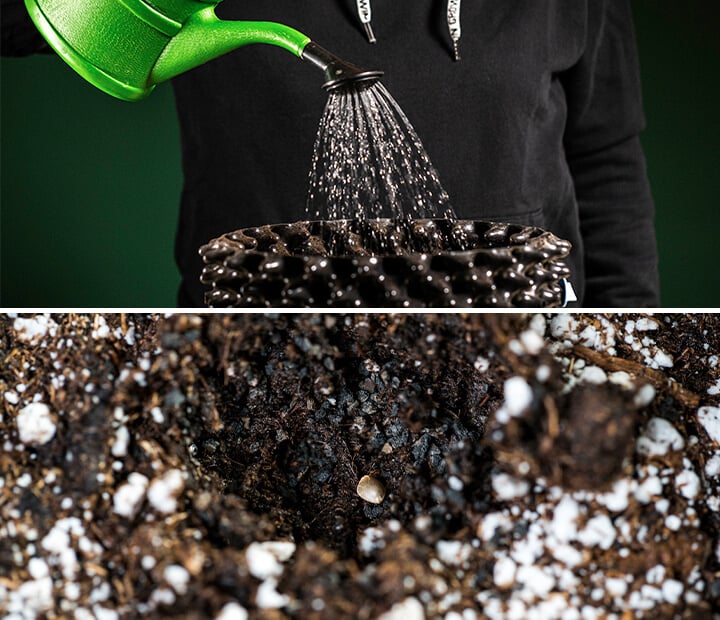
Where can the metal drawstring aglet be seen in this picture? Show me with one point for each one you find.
(369, 32)
(456, 51)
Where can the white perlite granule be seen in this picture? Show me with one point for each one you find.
(157, 415)
(656, 574)
(714, 389)
(563, 326)
(371, 538)
(712, 466)
(518, 397)
(35, 424)
(129, 496)
(688, 483)
(103, 613)
(492, 522)
(615, 586)
(264, 559)
(452, 552)
(616, 500)
(673, 522)
(177, 578)
(504, 572)
(122, 439)
(32, 598)
(658, 437)
(671, 590)
(663, 359)
(644, 396)
(564, 521)
(59, 543)
(481, 364)
(163, 492)
(536, 580)
(709, 417)
(509, 487)
(38, 568)
(622, 379)
(649, 488)
(593, 374)
(538, 324)
(232, 611)
(542, 373)
(646, 325)
(532, 342)
(407, 609)
(101, 330)
(267, 596)
(34, 329)
(599, 531)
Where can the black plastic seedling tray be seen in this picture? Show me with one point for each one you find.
(424, 263)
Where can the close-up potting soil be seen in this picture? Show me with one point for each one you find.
(360, 466)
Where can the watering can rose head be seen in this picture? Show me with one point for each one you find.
(126, 47)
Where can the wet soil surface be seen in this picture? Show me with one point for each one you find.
(512, 466)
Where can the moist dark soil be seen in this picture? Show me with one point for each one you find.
(207, 466)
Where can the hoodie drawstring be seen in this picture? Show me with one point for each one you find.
(365, 15)
(453, 21)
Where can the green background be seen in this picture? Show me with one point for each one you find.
(91, 185)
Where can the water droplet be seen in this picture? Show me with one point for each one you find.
(368, 163)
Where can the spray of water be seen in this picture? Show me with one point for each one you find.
(368, 162)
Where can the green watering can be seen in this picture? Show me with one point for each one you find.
(126, 47)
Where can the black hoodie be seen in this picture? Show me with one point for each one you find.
(537, 123)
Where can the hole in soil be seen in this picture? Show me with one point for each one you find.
(306, 416)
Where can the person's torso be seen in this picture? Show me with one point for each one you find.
(492, 124)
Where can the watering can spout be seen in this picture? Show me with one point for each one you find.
(126, 47)
(337, 71)
(204, 37)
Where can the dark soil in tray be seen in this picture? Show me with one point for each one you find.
(518, 466)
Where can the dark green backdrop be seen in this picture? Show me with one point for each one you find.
(90, 185)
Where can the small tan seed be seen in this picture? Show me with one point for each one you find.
(371, 490)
